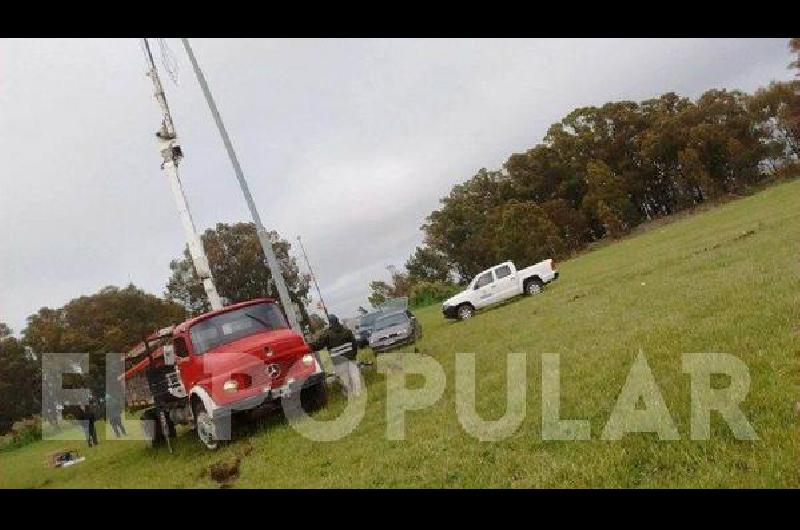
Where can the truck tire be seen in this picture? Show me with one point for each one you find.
(205, 428)
(533, 286)
(314, 397)
(465, 311)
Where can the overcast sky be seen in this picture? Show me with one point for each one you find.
(349, 143)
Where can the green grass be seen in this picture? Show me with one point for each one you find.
(725, 280)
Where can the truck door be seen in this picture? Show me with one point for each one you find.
(188, 366)
(484, 291)
(505, 283)
(181, 353)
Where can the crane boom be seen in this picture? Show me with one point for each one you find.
(171, 153)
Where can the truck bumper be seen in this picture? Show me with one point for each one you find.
(270, 397)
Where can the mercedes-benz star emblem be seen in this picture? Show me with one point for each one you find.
(273, 370)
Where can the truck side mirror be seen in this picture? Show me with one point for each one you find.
(169, 355)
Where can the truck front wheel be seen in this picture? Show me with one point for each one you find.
(465, 311)
(204, 425)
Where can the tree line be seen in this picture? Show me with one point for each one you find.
(599, 173)
(20, 381)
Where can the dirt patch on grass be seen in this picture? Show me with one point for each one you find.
(738, 237)
(744, 235)
(576, 296)
(225, 472)
(706, 249)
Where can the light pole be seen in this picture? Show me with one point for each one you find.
(314, 278)
(263, 237)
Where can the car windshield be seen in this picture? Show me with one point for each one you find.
(368, 320)
(391, 320)
(234, 325)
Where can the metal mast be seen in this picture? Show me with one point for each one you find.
(172, 154)
(263, 237)
(314, 277)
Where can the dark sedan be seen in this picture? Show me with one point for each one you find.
(394, 329)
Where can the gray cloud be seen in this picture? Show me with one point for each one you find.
(349, 143)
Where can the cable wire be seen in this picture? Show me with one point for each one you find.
(169, 61)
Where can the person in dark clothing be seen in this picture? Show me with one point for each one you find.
(114, 415)
(341, 344)
(87, 418)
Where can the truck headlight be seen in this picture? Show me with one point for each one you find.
(231, 385)
(308, 359)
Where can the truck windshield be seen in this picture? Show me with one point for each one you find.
(234, 325)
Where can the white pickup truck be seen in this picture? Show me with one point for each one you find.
(499, 283)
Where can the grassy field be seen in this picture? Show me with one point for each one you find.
(725, 280)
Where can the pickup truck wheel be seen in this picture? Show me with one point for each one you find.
(533, 286)
(206, 430)
(465, 311)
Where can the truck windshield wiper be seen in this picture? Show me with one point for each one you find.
(265, 324)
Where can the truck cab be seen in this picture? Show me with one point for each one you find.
(236, 359)
(497, 284)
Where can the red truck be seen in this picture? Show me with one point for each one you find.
(241, 358)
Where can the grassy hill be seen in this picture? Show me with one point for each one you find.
(725, 280)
